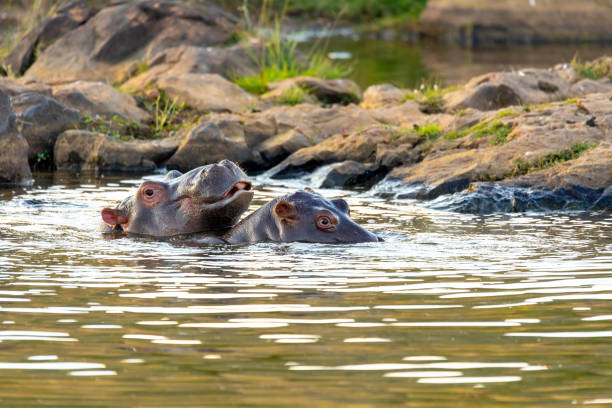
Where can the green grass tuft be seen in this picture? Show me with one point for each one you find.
(293, 96)
(596, 69)
(497, 129)
(523, 167)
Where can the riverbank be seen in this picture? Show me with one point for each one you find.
(145, 85)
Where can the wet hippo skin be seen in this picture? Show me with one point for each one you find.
(303, 216)
(206, 199)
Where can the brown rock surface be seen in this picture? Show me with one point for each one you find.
(41, 119)
(98, 98)
(82, 150)
(378, 96)
(325, 90)
(499, 89)
(14, 166)
(109, 45)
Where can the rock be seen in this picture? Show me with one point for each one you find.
(359, 146)
(64, 19)
(341, 91)
(41, 120)
(277, 148)
(14, 168)
(100, 99)
(257, 130)
(475, 23)
(15, 86)
(500, 89)
(111, 43)
(346, 174)
(225, 61)
(378, 96)
(391, 156)
(319, 123)
(536, 134)
(207, 92)
(77, 150)
(589, 86)
(206, 143)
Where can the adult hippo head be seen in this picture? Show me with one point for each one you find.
(208, 198)
(301, 216)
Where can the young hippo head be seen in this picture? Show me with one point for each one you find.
(301, 216)
(208, 198)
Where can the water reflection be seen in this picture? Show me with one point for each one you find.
(448, 302)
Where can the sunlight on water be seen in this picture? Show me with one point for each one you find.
(499, 310)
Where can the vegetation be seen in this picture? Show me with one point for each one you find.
(293, 96)
(279, 59)
(429, 96)
(523, 167)
(596, 69)
(495, 128)
(428, 132)
(169, 116)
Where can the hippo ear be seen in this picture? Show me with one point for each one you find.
(342, 205)
(172, 174)
(114, 217)
(285, 211)
(310, 190)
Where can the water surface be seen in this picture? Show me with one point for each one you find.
(451, 310)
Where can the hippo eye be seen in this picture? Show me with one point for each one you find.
(149, 192)
(325, 223)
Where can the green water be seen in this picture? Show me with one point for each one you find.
(451, 310)
(406, 64)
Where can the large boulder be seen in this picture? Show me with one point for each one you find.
(44, 33)
(14, 166)
(41, 120)
(15, 86)
(206, 92)
(210, 142)
(277, 148)
(225, 61)
(499, 89)
(100, 99)
(77, 150)
(111, 43)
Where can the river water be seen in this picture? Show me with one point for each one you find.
(451, 310)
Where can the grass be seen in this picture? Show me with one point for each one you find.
(523, 167)
(428, 132)
(293, 96)
(430, 96)
(169, 116)
(279, 58)
(495, 128)
(596, 69)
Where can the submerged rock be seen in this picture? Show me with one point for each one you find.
(110, 44)
(78, 150)
(14, 166)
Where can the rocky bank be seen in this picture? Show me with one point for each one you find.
(531, 139)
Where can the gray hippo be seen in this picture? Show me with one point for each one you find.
(303, 216)
(208, 198)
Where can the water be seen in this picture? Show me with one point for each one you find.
(451, 310)
(407, 64)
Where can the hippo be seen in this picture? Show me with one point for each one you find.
(303, 216)
(208, 198)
